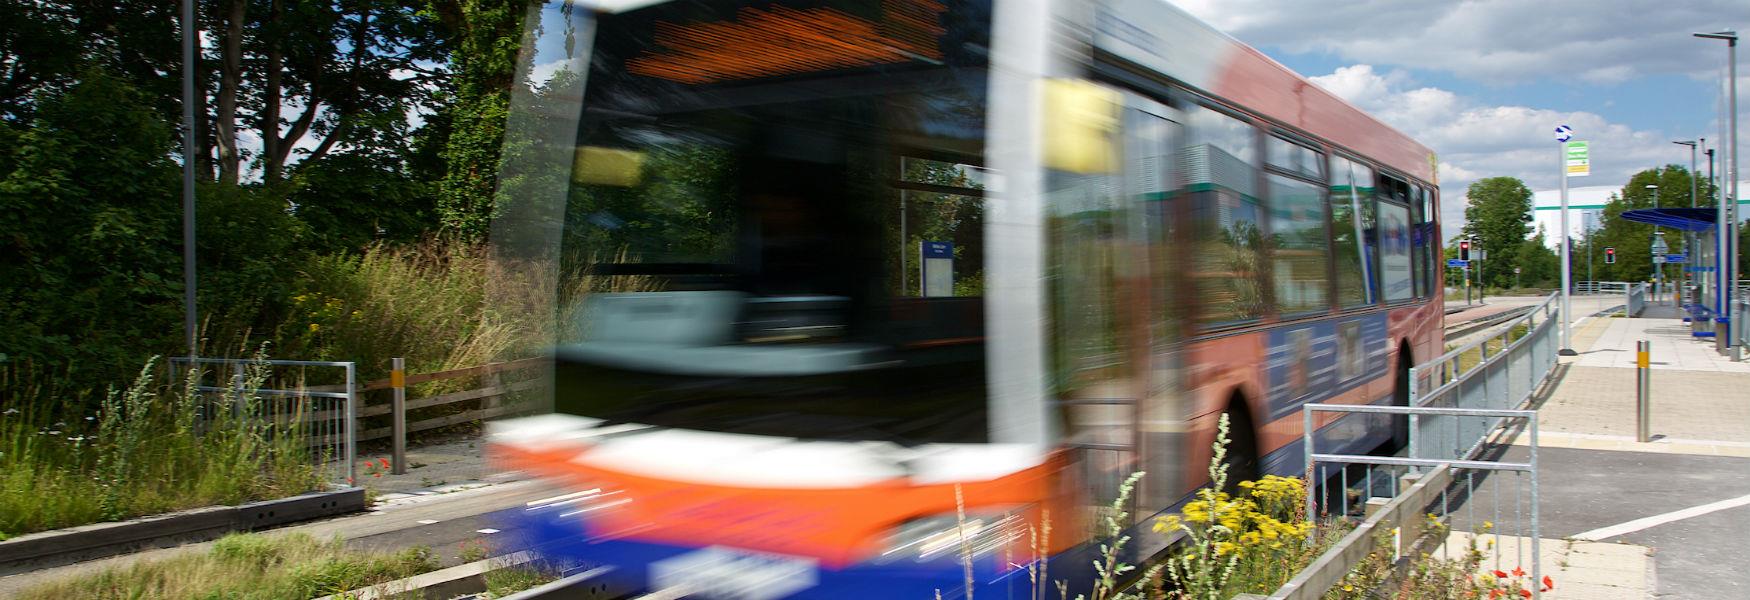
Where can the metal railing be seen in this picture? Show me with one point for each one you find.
(1498, 370)
(1634, 300)
(1462, 405)
(1445, 490)
(328, 419)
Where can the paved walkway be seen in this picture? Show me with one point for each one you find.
(1580, 570)
(1672, 348)
(1598, 477)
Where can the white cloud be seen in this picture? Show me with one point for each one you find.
(1491, 41)
(1475, 140)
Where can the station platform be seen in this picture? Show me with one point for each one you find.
(1644, 519)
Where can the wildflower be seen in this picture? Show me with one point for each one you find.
(376, 474)
(384, 462)
(1488, 525)
(1499, 574)
(1518, 572)
(1495, 593)
(1548, 584)
(314, 327)
(1526, 593)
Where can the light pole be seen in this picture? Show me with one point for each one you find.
(1728, 209)
(1688, 237)
(188, 58)
(1658, 252)
(1563, 134)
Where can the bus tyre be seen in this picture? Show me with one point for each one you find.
(1242, 449)
(1400, 396)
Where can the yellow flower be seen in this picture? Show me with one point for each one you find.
(314, 327)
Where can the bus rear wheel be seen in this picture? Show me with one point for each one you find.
(1242, 448)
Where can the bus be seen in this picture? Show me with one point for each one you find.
(860, 298)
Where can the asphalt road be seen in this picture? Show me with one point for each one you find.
(1703, 557)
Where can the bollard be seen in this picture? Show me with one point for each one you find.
(398, 410)
(1643, 389)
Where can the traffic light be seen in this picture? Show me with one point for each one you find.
(1610, 256)
(1464, 249)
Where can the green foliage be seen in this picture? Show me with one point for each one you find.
(247, 566)
(1633, 241)
(88, 206)
(426, 303)
(145, 450)
(486, 34)
(1497, 215)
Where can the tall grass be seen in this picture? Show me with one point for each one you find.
(438, 304)
(245, 567)
(148, 449)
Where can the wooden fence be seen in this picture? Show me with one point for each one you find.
(492, 396)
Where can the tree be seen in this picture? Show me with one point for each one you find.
(1633, 241)
(486, 35)
(1498, 215)
(87, 204)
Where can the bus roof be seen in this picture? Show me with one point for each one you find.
(1162, 37)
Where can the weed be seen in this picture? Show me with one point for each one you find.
(148, 449)
(244, 567)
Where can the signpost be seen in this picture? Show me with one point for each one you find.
(937, 266)
(1576, 160)
(1579, 158)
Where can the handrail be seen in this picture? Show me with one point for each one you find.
(1529, 318)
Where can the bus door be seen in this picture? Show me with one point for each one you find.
(1151, 130)
(1106, 226)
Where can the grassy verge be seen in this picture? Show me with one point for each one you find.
(245, 567)
(146, 450)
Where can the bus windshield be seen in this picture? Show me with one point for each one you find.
(787, 242)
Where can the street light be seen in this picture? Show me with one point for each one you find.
(1658, 249)
(1688, 237)
(1728, 209)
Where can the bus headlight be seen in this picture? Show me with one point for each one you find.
(947, 535)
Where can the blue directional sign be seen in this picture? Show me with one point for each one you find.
(1676, 259)
(1457, 262)
(1564, 133)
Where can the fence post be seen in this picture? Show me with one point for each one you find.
(398, 427)
(351, 424)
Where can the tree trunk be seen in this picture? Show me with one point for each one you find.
(230, 79)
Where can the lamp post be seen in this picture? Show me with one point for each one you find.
(1563, 135)
(188, 283)
(1688, 236)
(1659, 248)
(1728, 209)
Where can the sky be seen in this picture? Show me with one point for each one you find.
(1485, 82)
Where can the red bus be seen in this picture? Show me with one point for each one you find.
(833, 272)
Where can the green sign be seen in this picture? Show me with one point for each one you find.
(1579, 158)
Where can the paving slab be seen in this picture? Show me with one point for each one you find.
(1672, 348)
(1580, 570)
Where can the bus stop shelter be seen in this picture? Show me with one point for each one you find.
(1703, 302)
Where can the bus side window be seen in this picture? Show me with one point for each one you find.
(1351, 219)
(1299, 219)
(1226, 259)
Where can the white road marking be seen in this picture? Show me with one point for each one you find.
(1657, 520)
(425, 521)
(487, 531)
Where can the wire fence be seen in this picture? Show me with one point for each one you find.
(275, 392)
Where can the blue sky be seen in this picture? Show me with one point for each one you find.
(1483, 82)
